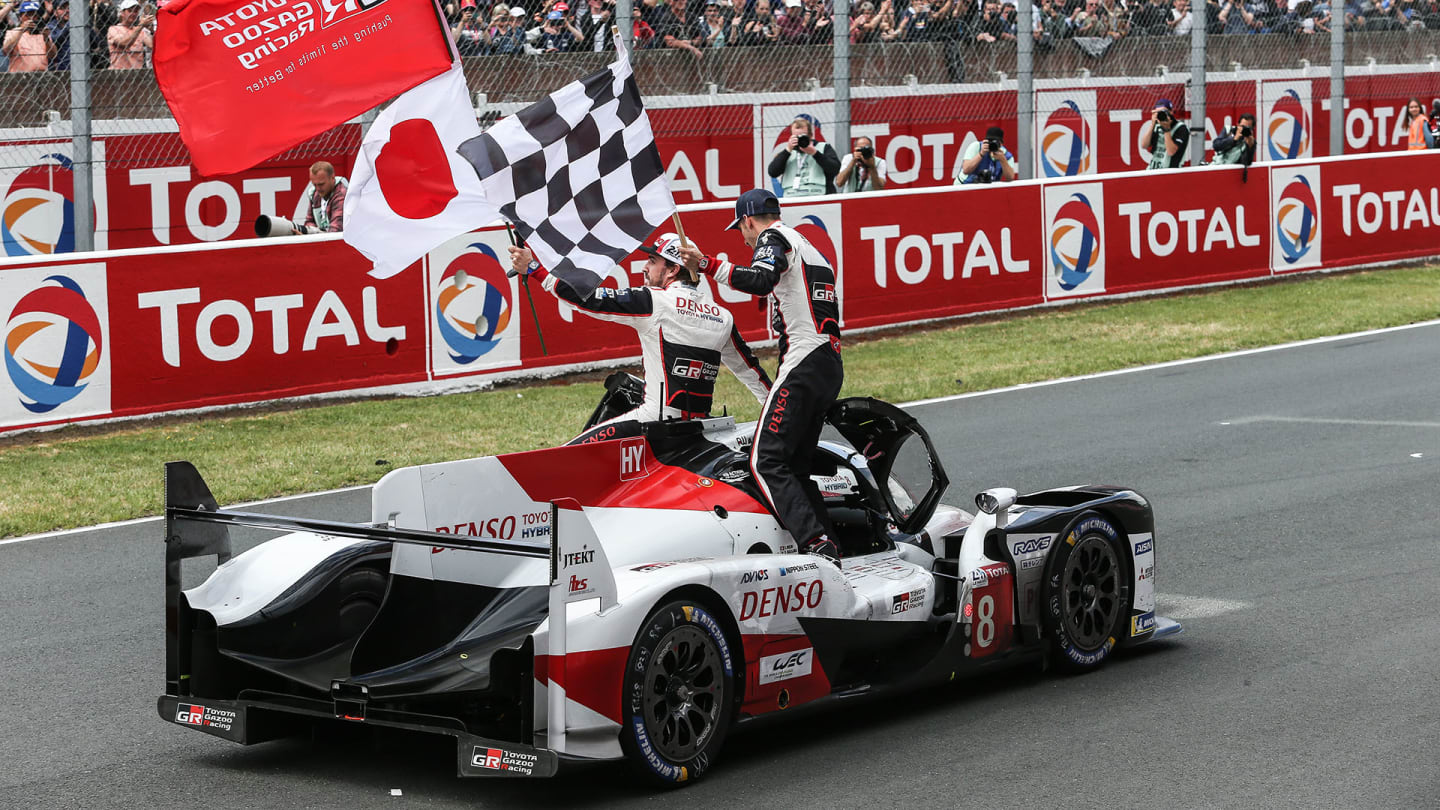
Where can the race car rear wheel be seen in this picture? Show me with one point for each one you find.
(1087, 593)
(679, 694)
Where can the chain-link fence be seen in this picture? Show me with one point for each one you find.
(923, 80)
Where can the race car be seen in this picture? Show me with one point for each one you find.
(686, 607)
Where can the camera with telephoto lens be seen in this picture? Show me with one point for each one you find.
(802, 141)
(270, 225)
(867, 152)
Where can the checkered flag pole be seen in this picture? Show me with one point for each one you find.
(578, 174)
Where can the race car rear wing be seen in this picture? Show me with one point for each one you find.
(195, 526)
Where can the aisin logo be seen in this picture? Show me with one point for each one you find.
(473, 304)
(37, 216)
(1074, 242)
(52, 344)
(1296, 223)
(1065, 142)
(1288, 128)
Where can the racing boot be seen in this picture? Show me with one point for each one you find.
(822, 546)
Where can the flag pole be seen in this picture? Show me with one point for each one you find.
(680, 229)
(525, 282)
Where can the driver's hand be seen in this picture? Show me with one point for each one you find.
(691, 256)
(520, 259)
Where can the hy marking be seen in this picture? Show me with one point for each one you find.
(1305, 420)
(1178, 606)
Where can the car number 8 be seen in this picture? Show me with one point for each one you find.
(985, 631)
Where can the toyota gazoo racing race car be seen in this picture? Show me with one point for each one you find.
(686, 607)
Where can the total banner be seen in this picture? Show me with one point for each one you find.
(150, 331)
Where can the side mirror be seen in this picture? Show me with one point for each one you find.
(996, 500)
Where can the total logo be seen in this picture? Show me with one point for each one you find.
(1287, 122)
(54, 344)
(813, 229)
(1065, 140)
(1297, 218)
(37, 215)
(1074, 258)
(473, 304)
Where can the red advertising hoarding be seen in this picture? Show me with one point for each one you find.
(156, 330)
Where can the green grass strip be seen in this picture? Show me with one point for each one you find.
(85, 475)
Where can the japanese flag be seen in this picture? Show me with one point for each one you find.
(410, 190)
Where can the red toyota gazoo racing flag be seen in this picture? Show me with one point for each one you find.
(248, 79)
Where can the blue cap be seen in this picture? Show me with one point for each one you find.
(754, 202)
(29, 6)
(1165, 102)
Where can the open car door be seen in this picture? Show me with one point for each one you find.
(906, 468)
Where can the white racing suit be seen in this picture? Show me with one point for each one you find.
(684, 337)
(805, 312)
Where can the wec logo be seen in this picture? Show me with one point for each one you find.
(785, 666)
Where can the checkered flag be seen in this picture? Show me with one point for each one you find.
(578, 174)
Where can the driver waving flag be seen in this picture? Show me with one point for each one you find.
(805, 312)
(684, 338)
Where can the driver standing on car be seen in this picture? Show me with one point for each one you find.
(684, 337)
(806, 314)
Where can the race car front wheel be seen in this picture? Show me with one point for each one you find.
(1087, 593)
(679, 694)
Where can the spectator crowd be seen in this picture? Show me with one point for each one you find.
(36, 35)
(696, 26)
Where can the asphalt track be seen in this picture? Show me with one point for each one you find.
(1297, 508)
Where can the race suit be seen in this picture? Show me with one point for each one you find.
(684, 337)
(805, 313)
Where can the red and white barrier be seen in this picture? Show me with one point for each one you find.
(156, 330)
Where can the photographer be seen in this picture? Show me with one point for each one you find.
(1236, 144)
(861, 170)
(27, 45)
(324, 201)
(1164, 137)
(806, 167)
(469, 31)
(760, 28)
(132, 40)
(986, 161)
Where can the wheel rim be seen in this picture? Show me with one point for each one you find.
(1091, 592)
(684, 692)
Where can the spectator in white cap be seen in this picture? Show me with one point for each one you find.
(132, 40)
(684, 338)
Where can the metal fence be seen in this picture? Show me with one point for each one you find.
(856, 55)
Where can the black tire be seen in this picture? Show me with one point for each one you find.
(1087, 593)
(680, 694)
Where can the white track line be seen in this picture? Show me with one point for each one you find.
(1305, 420)
(1178, 606)
(971, 395)
(158, 518)
(1171, 364)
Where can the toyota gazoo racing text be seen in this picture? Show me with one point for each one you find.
(687, 609)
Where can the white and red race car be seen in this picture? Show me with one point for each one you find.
(687, 609)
